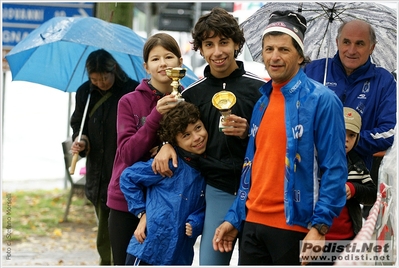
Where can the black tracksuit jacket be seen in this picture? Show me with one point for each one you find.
(224, 154)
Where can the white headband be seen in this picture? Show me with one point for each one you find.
(286, 31)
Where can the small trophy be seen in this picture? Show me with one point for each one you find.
(176, 74)
(223, 101)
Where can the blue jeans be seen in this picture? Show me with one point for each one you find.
(218, 203)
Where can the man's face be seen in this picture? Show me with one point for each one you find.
(218, 52)
(354, 45)
(280, 57)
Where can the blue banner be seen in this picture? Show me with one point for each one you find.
(20, 19)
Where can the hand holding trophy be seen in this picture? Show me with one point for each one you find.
(223, 101)
(176, 74)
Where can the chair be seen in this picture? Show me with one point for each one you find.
(77, 187)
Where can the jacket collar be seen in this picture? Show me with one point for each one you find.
(362, 71)
(290, 88)
(191, 159)
(236, 73)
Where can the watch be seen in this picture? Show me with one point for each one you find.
(321, 228)
(141, 214)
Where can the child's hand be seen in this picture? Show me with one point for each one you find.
(139, 233)
(348, 192)
(236, 126)
(160, 165)
(189, 229)
(166, 103)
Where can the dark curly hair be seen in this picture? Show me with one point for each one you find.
(176, 121)
(218, 23)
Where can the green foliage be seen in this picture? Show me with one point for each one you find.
(41, 212)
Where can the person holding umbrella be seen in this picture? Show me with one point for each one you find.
(294, 173)
(138, 119)
(97, 139)
(363, 86)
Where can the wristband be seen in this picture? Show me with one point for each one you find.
(162, 144)
(141, 214)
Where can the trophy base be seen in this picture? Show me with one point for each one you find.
(179, 99)
(178, 96)
(176, 100)
(221, 127)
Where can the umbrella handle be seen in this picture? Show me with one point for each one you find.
(73, 163)
(76, 155)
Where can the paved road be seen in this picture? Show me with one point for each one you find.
(73, 248)
(69, 247)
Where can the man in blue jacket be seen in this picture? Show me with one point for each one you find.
(363, 86)
(294, 172)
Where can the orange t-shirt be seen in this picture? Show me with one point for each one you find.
(266, 197)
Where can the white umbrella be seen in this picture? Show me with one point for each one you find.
(323, 20)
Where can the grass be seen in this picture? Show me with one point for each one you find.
(41, 212)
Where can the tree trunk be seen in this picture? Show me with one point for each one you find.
(119, 13)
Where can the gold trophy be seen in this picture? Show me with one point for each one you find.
(176, 74)
(223, 101)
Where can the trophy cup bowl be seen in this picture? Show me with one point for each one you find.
(223, 101)
(176, 74)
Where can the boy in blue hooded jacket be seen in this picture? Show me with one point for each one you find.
(171, 210)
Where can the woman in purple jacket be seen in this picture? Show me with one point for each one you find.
(138, 119)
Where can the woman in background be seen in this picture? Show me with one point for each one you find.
(106, 85)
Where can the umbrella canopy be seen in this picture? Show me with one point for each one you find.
(323, 20)
(55, 53)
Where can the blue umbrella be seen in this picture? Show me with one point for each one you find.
(55, 53)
